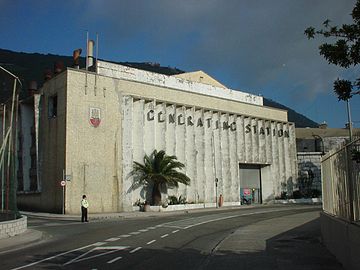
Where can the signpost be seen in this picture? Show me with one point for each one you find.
(63, 184)
(216, 185)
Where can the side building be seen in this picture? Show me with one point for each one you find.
(89, 127)
(312, 144)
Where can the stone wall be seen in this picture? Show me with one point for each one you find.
(13, 227)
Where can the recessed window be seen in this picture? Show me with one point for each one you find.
(53, 106)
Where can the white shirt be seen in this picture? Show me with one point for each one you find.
(84, 203)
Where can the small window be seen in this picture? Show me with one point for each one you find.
(52, 106)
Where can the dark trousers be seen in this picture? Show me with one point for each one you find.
(84, 216)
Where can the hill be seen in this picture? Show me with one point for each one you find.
(31, 66)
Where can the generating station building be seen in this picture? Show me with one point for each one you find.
(88, 127)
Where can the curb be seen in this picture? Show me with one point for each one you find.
(20, 241)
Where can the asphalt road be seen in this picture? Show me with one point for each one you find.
(256, 238)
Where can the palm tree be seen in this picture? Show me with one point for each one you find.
(158, 170)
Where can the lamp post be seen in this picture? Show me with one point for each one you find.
(349, 119)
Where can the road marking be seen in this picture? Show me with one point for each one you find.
(95, 256)
(165, 235)
(192, 222)
(150, 242)
(175, 231)
(97, 244)
(159, 225)
(143, 230)
(112, 239)
(81, 257)
(151, 228)
(55, 256)
(134, 233)
(136, 249)
(124, 235)
(111, 247)
(114, 260)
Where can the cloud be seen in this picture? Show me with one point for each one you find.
(254, 42)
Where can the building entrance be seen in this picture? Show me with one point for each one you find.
(250, 184)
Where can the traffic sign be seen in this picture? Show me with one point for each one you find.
(63, 183)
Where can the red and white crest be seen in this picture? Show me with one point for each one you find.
(95, 117)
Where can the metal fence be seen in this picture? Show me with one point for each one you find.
(341, 182)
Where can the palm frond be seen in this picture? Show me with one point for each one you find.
(159, 168)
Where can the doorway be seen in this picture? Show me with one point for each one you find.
(250, 184)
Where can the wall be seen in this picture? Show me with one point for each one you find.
(97, 160)
(210, 144)
(26, 123)
(128, 73)
(310, 161)
(342, 239)
(13, 227)
(93, 154)
(49, 197)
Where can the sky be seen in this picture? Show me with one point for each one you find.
(252, 46)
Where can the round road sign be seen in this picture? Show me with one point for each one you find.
(63, 183)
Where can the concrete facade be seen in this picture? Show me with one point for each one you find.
(211, 129)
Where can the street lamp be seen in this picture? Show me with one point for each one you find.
(349, 119)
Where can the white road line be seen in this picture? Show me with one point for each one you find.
(136, 249)
(173, 226)
(112, 239)
(97, 255)
(165, 235)
(159, 225)
(81, 257)
(53, 257)
(97, 244)
(114, 260)
(78, 257)
(151, 228)
(134, 233)
(124, 235)
(150, 242)
(111, 247)
(170, 225)
(143, 230)
(175, 231)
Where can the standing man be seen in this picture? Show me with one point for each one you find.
(84, 208)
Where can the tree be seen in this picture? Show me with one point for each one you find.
(343, 52)
(158, 170)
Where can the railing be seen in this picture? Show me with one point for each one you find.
(341, 182)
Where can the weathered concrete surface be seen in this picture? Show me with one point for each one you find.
(342, 239)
